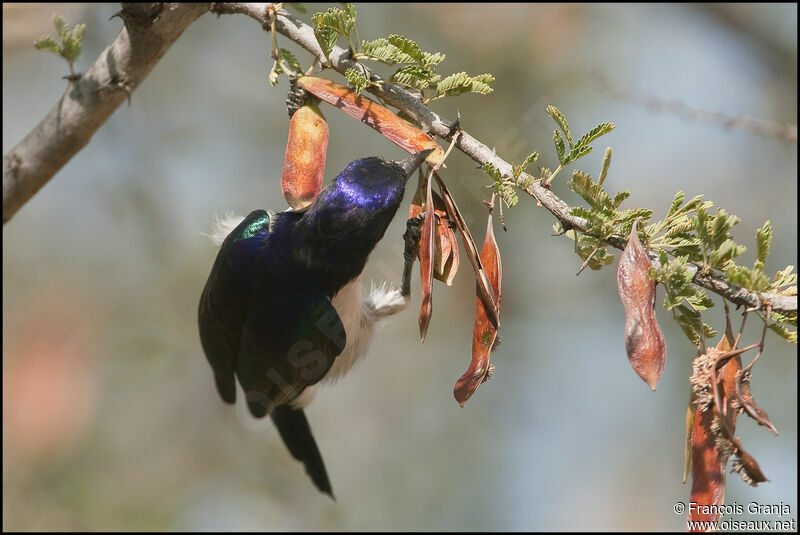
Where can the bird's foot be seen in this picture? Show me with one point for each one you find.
(411, 237)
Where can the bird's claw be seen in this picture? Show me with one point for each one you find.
(411, 237)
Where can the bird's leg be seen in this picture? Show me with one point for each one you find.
(411, 237)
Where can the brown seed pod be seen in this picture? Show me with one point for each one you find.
(304, 162)
(426, 258)
(385, 121)
(484, 334)
(644, 341)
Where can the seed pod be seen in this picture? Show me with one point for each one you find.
(385, 121)
(484, 334)
(426, 257)
(304, 162)
(484, 286)
(446, 259)
(644, 341)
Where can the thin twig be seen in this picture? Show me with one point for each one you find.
(753, 125)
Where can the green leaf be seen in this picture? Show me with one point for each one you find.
(432, 58)
(72, 44)
(461, 82)
(381, 50)
(273, 74)
(492, 171)
(46, 42)
(558, 140)
(415, 76)
(576, 153)
(676, 202)
(700, 222)
(599, 130)
(784, 332)
(407, 46)
(289, 58)
(561, 121)
(785, 277)
(722, 223)
(692, 325)
(630, 215)
(621, 196)
(530, 159)
(739, 275)
(679, 227)
(350, 13)
(339, 20)
(700, 301)
(330, 24)
(327, 39)
(61, 27)
(506, 193)
(780, 317)
(725, 253)
(386, 52)
(764, 240)
(606, 165)
(356, 80)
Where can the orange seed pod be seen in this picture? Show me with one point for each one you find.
(304, 162)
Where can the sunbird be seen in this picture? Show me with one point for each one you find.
(282, 310)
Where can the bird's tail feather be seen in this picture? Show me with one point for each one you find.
(296, 434)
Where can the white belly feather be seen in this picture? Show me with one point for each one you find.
(359, 316)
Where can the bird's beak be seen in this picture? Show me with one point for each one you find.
(411, 163)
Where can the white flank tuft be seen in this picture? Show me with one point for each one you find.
(383, 301)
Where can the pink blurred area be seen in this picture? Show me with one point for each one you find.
(50, 374)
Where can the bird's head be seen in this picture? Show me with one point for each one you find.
(357, 207)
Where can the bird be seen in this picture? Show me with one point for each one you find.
(282, 310)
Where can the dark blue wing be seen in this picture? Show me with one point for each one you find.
(225, 299)
(263, 317)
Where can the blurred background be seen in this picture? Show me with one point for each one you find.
(110, 417)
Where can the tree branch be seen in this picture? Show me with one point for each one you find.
(149, 31)
(303, 34)
(90, 100)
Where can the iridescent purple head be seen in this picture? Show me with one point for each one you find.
(360, 203)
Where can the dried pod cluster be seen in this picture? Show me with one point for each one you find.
(720, 392)
(708, 460)
(304, 161)
(644, 341)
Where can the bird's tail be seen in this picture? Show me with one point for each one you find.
(296, 434)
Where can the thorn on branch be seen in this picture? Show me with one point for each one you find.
(141, 15)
